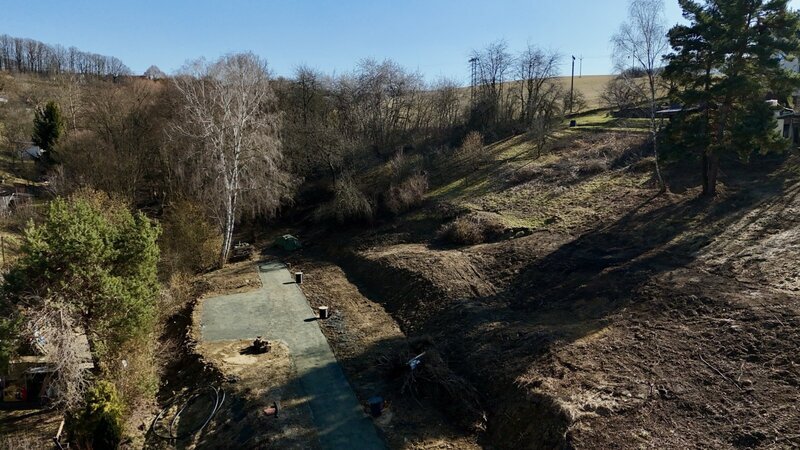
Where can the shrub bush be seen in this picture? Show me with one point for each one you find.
(407, 194)
(399, 165)
(349, 204)
(99, 423)
(472, 146)
(189, 242)
(472, 229)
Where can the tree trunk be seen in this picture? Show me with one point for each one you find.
(227, 233)
(662, 187)
(710, 172)
(712, 169)
(711, 161)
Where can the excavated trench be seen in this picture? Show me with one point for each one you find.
(448, 302)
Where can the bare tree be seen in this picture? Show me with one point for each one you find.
(493, 64)
(122, 132)
(28, 55)
(231, 125)
(643, 39)
(54, 329)
(534, 69)
(623, 93)
(384, 97)
(311, 140)
(445, 102)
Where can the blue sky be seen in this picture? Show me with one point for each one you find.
(432, 36)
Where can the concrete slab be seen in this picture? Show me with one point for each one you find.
(279, 311)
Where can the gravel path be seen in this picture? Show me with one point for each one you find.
(280, 311)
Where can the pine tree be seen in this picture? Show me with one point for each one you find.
(48, 125)
(94, 252)
(726, 62)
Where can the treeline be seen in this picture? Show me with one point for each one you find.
(382, 108)
(515, 92)
(221, 143)
(332, 129)
(29, 55)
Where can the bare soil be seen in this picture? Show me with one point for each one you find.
(255, 382)
(649, 321)
(25, 429)
(234, 278)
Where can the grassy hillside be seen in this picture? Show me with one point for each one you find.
(591, 86)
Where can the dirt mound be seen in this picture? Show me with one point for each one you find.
(763, 247)
(416, 283)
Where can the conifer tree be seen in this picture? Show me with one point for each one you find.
(727, 63)
(48, 125)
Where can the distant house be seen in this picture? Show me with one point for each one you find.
(674, 110)
(789, 124)
(787, 121)
(154, 73)
(31, 153)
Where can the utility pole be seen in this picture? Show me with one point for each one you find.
(572, 85)
(580, 72)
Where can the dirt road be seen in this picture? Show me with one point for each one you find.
(280, 311)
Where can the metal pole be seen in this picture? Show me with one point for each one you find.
(580, 72)
(473, 79)
(572, 85)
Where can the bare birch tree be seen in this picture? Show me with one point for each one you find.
(230, 123)
(643, 41)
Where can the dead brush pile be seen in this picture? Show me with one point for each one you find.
(421, 372)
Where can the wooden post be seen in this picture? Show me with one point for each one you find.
(57, 437)
(3, 248)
